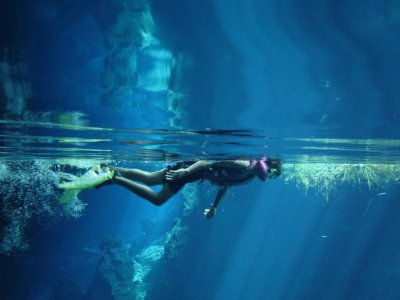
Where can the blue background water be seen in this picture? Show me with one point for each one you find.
(294, 68)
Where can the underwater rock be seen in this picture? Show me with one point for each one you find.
(190, 196)
(100, 288)
(175, 241)
(66, 289)
(147, 273)
(166, 248)
(161, 261)
(118, 269)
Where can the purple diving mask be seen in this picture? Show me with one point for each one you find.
(262, 169)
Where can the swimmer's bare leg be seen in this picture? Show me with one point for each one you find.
(157, 198)
(149, 178)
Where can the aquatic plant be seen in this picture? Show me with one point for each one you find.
(325, 178)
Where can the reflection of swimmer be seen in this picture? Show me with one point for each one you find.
(174, 177)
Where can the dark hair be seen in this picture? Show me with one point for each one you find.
(276, 164)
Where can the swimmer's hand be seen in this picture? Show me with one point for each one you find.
(209, 213)
(176, 174)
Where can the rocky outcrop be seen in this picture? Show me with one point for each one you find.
(145, 274)
(118, 268)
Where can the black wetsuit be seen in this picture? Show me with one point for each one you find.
(176, 185)
(218, 175)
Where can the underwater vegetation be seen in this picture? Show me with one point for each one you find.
(326, 178)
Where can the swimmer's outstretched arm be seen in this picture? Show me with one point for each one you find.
(209, 213)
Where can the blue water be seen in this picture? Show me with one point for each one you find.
(145, 83)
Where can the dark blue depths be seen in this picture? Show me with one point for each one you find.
(298, 68)
(278, 245)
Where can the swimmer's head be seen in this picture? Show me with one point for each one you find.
(268, 168)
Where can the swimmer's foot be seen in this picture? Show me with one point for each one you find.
(110, 181)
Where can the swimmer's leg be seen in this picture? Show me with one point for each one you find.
(157, 198)
(148, 178)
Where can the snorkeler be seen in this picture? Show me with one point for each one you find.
(174, 177)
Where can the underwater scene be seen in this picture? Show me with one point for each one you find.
(207, 149)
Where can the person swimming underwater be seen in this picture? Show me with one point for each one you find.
(224, 174)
